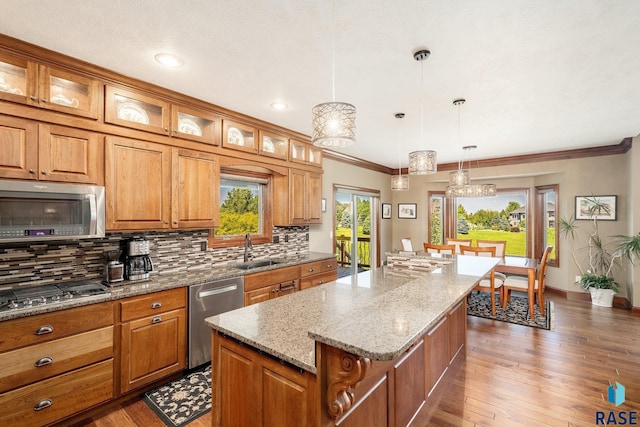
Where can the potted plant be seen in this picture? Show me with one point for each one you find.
(602, 256)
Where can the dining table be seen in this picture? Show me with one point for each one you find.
(522, 266)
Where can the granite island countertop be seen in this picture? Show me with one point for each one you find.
(161, 282)
(377, 314)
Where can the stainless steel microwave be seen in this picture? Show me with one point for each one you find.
(36, 210)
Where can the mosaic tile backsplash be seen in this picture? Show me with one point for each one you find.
(34, 263)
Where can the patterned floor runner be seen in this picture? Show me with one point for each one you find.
(479, 304)
(181, 401)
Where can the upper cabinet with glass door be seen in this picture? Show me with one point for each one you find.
(196, 125)
(136, 110)
(238, 136)
(273, 145)
(29, 83)
(301, 152)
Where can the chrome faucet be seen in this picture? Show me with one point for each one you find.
(247, 245)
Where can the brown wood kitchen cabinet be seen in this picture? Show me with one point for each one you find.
(136, 110)
(259, 287)
(297, 198)
(153, 336)
(317, 273)
(28, 82)
(45, 152)
(254, 389)
(56, 364)
(154, 186)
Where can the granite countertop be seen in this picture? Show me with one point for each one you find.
(377, 314)
(161, 282)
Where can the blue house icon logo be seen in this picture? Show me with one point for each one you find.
(616, 394)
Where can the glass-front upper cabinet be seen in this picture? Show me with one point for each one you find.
(135, 110)
(314, 156)
(68, 92)
(298, 151)
(196, 125)
(273, 145)
(238, 136)
(26, 82)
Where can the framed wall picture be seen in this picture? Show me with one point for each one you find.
(603, 208)
(386, 211)
(407, 210)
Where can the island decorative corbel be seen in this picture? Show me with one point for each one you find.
(340, 396)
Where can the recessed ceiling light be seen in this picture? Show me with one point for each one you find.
(278, 105)
(169, 60)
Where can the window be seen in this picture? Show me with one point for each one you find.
(436, 218)
(244, 209)
(545, 222)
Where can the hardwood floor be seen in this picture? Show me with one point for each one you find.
(516, 375)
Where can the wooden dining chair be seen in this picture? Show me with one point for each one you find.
(487, 283)
(500, 245)
(521, 283)
(432, 248)
(406, 244)
(457, 243)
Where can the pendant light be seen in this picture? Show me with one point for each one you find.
(334, 123)
(423, 162)
(459, 181)
(399, 182)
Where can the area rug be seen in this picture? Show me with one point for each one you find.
(181, 401)
(479, 304)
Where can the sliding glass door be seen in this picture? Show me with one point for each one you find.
(355, 230)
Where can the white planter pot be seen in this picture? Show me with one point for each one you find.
(602, 297)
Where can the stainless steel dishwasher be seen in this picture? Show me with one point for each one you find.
(205, 300)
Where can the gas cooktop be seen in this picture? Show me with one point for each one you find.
(21, 298)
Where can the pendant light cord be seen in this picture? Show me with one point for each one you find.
(333, 51)
(422, 106)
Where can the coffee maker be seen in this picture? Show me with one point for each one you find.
(137, 263)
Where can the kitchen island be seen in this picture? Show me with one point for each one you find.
(369, 349)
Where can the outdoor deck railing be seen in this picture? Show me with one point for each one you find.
(343, 251)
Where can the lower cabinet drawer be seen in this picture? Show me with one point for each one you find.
(41, 361)
(50, 400)
(318, 279)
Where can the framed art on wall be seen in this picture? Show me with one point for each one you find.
(407, 210)
(604, 208)
(386, 210)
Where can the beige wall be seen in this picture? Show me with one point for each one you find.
(604, 175)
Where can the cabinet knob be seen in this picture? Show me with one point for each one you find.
(43, 172)
(166, 129)
(321, 281)
(31, 171)
(44, 100)
(165, 222)
(33, 98)
(43, 404)
(329, 265)
(311, 270)
(175, 222)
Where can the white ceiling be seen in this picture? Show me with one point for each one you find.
(538, 76)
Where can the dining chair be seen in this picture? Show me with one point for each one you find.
(486, 283)
(501, 249)
(520, 283)
(432, 248)
(406, 244)
(457, 243)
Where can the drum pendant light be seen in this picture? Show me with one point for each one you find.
(334, 123)
(423, 162)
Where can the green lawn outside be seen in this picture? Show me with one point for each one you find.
(515, 241)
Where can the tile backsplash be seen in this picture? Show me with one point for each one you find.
(36, 263)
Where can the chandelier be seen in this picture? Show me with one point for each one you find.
(399, 182)
(459, 181)
(423, 162)
(334, 123)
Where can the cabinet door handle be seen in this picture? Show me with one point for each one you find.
(321, 282)
(44, 329)
(311, 270)
(156, 319)
(329, 265)
(44, 100)
(33, 98)
(156, 304)
(43, 361)
(31, 171)
(43, 404)
(43, 172)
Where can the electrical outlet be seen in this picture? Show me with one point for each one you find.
(203, 246)
(276, 239)
(578, 279)
(286, 238)
(306, 237)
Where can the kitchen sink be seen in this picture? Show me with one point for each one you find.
(257, 264)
